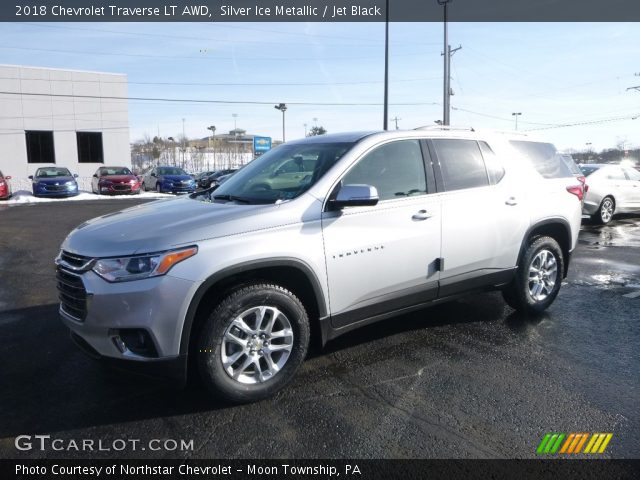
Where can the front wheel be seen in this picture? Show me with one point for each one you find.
(253, 343)
(605, 211)
(538, 277)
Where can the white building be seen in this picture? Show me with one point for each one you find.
(69, 118)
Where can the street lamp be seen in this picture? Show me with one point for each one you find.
(213, 145)
(305, 129)
(516, 114)
(173, 150)
(283, 108)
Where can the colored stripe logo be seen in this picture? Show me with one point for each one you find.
(573, 443)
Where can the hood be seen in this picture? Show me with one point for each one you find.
(53, 180)
(167, 224)
(118, 178)
(175, 177)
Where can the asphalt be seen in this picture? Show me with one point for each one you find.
(467, 379)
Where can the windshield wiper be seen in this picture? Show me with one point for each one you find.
(232, 198)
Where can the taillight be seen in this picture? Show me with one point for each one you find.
(577, 190)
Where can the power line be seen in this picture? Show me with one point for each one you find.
(190, 100)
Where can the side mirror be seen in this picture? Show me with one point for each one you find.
(355, 196)
(30, 177)
(154, 175)
(95, 175)
(75, 175)
(7, 178)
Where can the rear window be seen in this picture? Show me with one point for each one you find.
(588, 170)
(544, 158)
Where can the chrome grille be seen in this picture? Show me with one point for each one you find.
(55, 188)
(74, 260)
(122, 187)
(72, 294)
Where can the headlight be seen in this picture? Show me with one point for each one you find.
(141, 266)
(70, 183)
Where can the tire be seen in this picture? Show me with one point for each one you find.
(143, 187)
(533, 289)
(246, 345)
(605, 211)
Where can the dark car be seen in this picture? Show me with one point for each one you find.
(212, 179)
(114, 181)
(54, 182)
(168, 180)
(5, 187)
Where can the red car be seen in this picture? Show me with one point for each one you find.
(5, 187)
(114, 181)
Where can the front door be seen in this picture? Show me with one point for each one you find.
(385, 257)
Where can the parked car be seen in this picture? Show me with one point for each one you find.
(168, 180)
(54, 182)
(233, 281)
(5, 187)
(223, 178)
(212, 179)
(114, 181)
(612, 189)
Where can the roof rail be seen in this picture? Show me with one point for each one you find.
(446, 128)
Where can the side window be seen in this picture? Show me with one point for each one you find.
(494, 167)
(395, 169)
(461, 164)
(544, 158)
(615, 173)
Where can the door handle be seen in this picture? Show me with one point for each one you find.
(422, 215)
(511, 201)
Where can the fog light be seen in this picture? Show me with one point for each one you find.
(137, 341)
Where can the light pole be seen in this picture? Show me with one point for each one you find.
(213, 145)
(283, 108)
(385, 124)
(173, 152)
(516, 114)
(305, 129)
(447, 63)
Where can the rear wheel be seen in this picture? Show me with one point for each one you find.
(538, 278)
(605, 211)
(253, 343)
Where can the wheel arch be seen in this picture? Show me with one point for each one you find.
(556, 228)
(293, 274)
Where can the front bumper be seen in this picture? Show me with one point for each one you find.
(120, 189)
(156, 306)
(41, 191)
(175, 189)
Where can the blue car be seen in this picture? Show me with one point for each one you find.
(168, 180)
(54, 182)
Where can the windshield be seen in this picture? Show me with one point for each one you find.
(171, 171)
(283, 173)
(588, 170)
(114, 171)
(53, 172)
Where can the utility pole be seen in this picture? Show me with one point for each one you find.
(305, 129)
(395, 119)
(516, 114)
(448, 53)
(385, 114)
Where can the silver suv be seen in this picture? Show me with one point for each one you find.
(232, 282)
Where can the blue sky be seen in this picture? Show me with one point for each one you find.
(553, 73)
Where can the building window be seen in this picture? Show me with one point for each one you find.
(40, 147)
(90, 147)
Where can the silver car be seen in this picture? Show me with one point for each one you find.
(612, 189)
(230, 284)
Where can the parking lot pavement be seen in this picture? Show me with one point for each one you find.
(463, 379)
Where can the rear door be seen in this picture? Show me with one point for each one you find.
(483, 215)
(633, 188)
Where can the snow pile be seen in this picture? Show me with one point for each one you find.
(22, 197)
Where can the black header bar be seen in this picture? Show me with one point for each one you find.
(318, 11)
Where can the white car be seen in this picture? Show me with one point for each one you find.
(612, 189)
